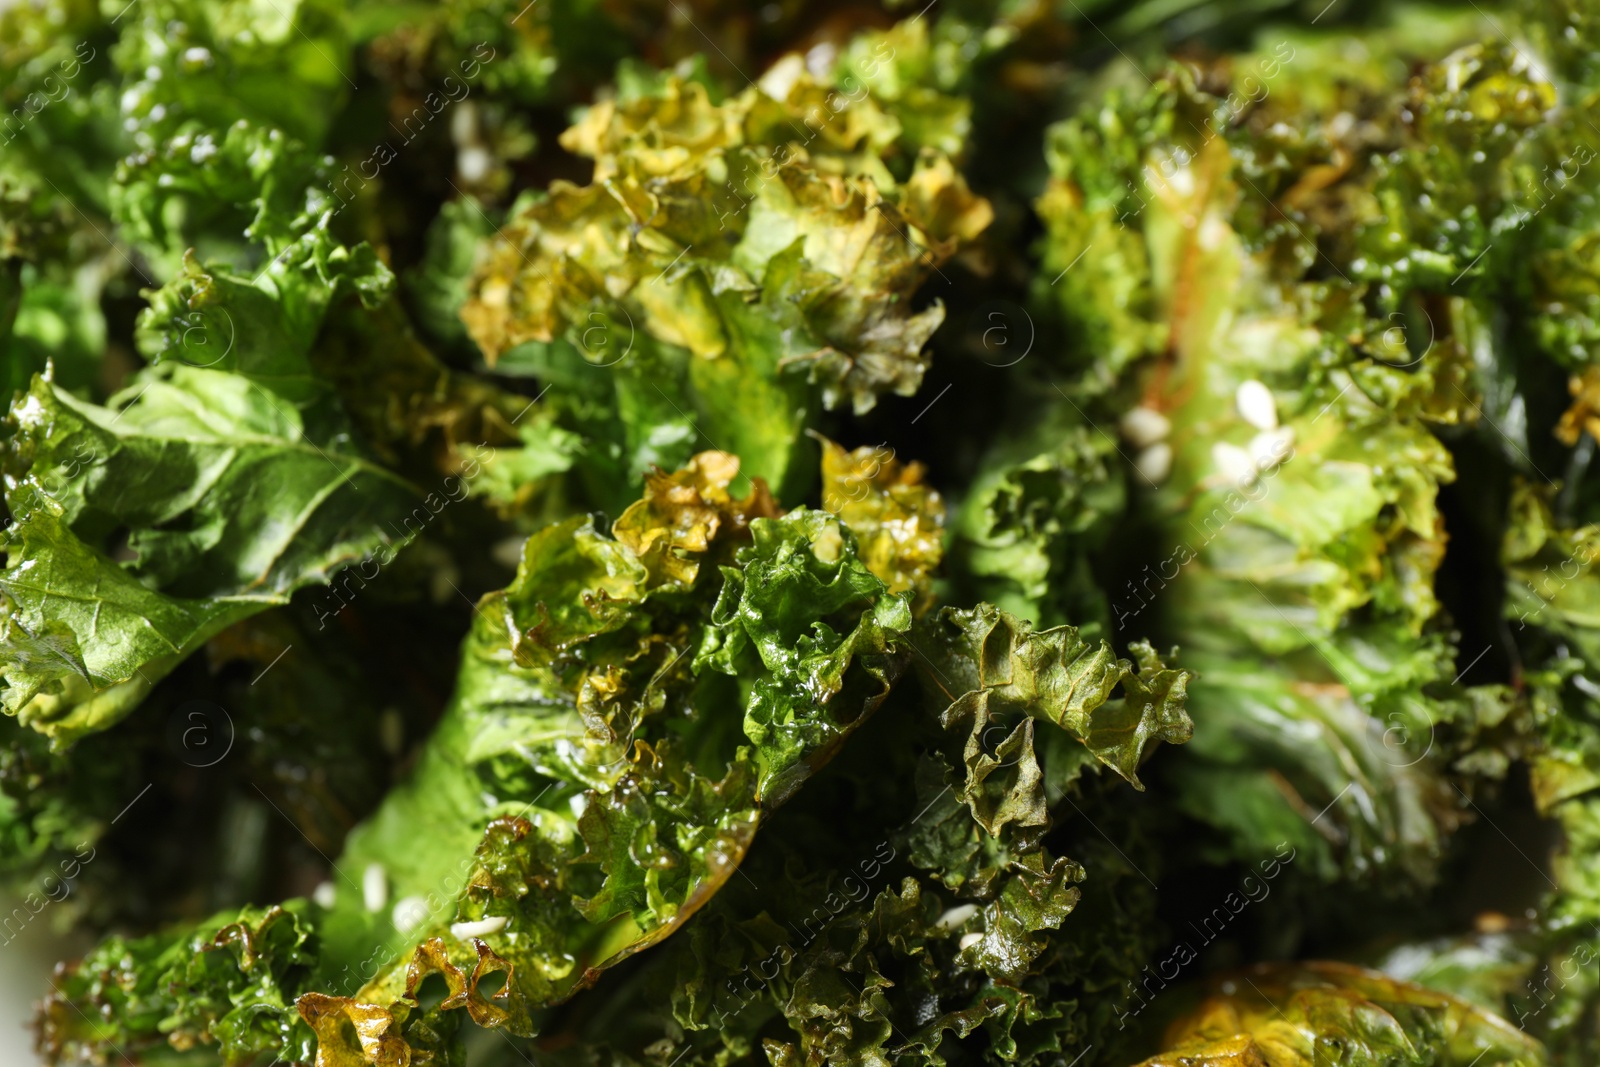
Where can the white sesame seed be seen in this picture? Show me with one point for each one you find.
(1269, 449)
(781, 76)
(374, 887)
(482, 928)
(968, 940)
(1213, 232)
(1256, 405)
(474, 163)
(1181, 180)
(819, 60)
(464, 123)
(1144, 426)
(955, 917)
(1233, 463)
(1155, 463)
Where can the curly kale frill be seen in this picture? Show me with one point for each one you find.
(630, 712)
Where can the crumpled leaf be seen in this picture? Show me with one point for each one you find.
(261, 329)
(655, 837)
(372, 1025)
(584, 795)
(207, 187)
(428, 419)
(1287, 457)
(1295, 1015)
(226, 107)
(1550, 603)
(957, 933)
(49, 288)
(733, 262)
(771, 610)
(1041, 505)
(1584, 414)
(898, 521)
(237, 973)
(146, 527)
(914, 70)
(198, 63)
(515, 54)
(682, 512)
(985, 663)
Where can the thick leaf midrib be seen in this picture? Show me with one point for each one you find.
(304, 447)
(271, 600)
